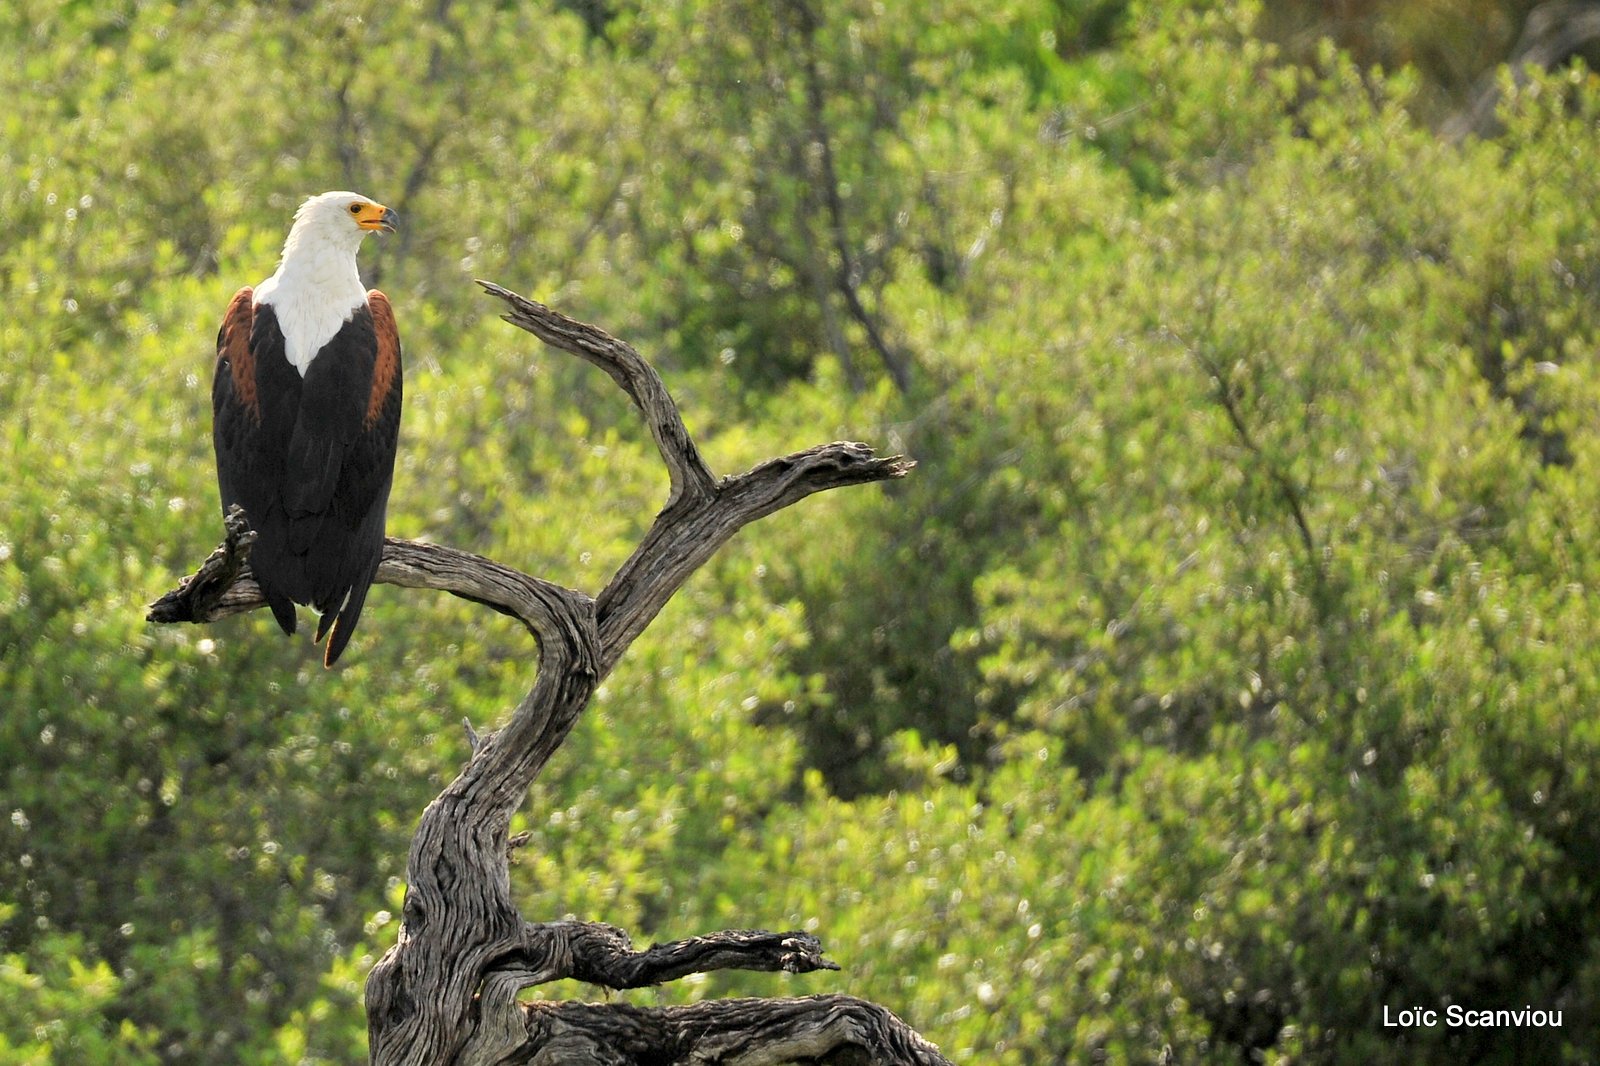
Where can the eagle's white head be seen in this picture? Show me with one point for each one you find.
(317, 286)
(339, 219)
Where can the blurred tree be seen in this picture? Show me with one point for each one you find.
(1226, 674)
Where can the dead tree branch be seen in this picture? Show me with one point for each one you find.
(824, 1030)
(446, 993)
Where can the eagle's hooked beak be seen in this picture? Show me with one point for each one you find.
(376, 216)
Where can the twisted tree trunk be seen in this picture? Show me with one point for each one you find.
(446, 993)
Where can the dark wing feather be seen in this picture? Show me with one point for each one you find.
(344, 456)
(248, 422)
(369, 465)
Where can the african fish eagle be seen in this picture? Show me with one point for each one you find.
(306, 414)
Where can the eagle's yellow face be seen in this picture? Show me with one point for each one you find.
(371, 216)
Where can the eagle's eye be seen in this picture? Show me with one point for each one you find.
(355, 209)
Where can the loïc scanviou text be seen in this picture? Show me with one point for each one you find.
(1455, 1016)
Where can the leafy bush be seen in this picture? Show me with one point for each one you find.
(1223, 675)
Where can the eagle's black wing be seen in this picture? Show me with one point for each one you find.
(345, 445)
(253, 404)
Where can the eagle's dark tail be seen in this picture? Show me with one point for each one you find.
(283, 611)
(282, 606)
(323, 623)
(338, 624)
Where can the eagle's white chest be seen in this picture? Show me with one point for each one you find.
(312, 299)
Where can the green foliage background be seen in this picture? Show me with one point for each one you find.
(1225, 673)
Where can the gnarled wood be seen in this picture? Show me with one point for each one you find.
(822, 1030)
(702, 513)
(446, 993)
(214, 590)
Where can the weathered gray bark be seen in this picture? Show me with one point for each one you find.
(446, 993)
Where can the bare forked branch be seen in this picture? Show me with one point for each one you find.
(702, 512)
